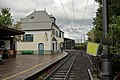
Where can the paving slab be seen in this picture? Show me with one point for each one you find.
(23, 66)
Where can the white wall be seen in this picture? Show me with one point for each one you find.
(59, 40)
(38, 37)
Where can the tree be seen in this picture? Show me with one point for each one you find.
(18, 38)
(114, 23)
(91, 35)
(6, 21)
(114, 33)
(5, 17)
(97, 22)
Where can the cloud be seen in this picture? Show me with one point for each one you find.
(22, 8)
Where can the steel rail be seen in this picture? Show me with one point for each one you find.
(70, 69)
(57, 68)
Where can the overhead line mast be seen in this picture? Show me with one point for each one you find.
(106, 57)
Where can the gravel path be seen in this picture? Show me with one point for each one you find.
(81, 67)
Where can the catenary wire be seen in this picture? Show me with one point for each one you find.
(73, 12)
(66, 15)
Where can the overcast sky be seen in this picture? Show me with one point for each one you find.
(74, 27)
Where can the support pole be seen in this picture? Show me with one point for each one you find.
(106, 57)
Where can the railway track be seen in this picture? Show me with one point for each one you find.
(64, 70)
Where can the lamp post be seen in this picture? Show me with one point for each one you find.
(106, 61)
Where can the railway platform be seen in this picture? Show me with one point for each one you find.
(24, 66)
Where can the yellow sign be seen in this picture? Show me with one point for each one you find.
(92, 48)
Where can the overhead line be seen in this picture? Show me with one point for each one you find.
(73, 12)
(83, 18)
(84, 15)
(84, 11)
(74, 16)
(66, 15)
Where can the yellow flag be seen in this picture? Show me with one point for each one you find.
(92, 48)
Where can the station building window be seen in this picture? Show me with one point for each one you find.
(28, 38)
(53, 31)
(32, 17)
(56, 33)
(59, 34)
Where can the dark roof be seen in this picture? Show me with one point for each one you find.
(65, 39)
(57, 27)
(5, 31)
(42, 20)
(51, 16)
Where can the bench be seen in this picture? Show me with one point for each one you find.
(27, 51)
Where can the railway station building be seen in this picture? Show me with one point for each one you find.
(42, 35)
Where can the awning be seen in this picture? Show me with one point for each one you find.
(5, 31)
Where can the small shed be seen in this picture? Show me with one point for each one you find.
(69, 43)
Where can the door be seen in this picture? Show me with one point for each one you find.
(41, 48)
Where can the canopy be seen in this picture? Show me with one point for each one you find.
(5, 31)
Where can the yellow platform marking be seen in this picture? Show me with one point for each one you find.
(24, 71)
(27, 70)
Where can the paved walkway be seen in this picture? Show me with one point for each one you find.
(24, 66)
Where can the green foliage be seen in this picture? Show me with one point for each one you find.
(6, 21)
(114, 33)
(114, 24)
(5, 17)
(91, 35)
(80, 46)
(18, 38)
(98, 30)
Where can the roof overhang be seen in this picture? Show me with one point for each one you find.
(5, 31)
(66, 39)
